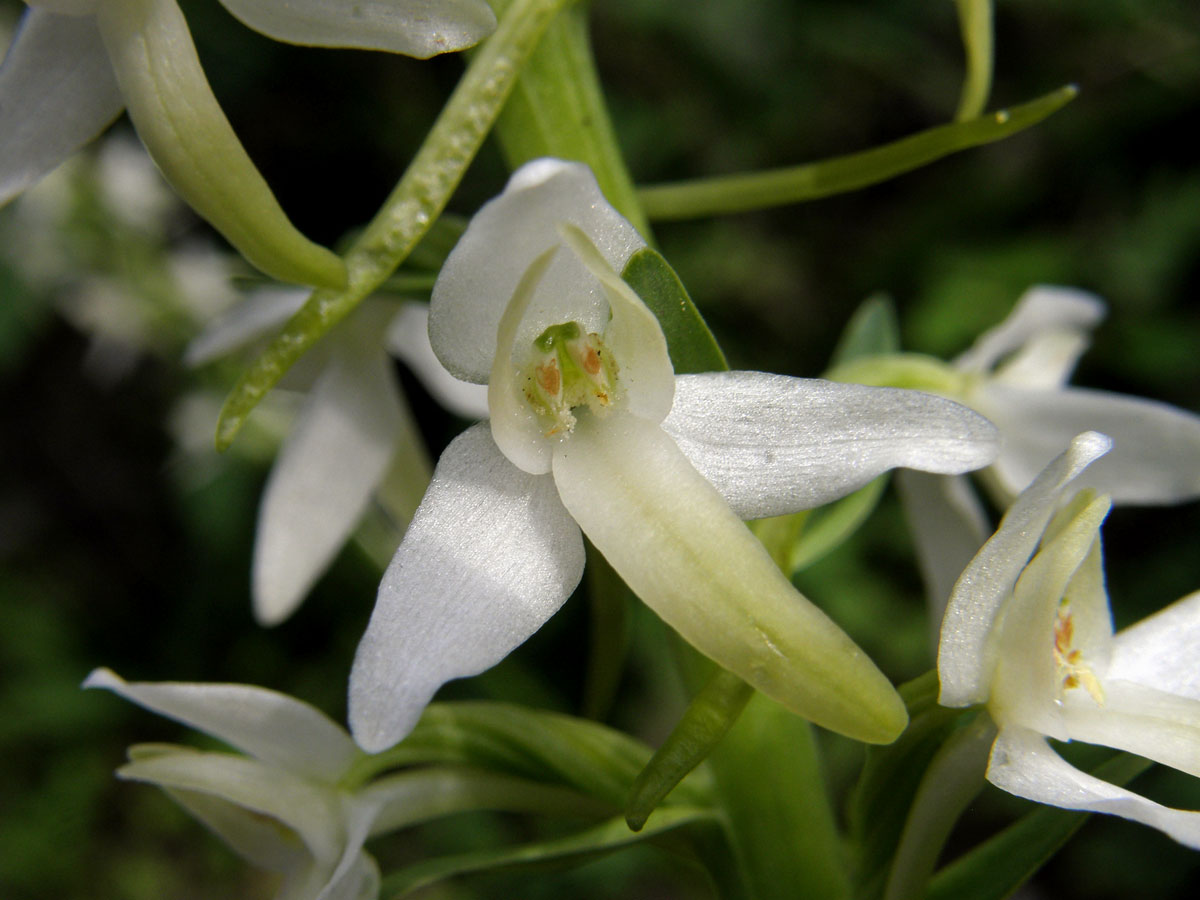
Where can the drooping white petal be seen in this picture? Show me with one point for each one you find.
(1022, 763)
(57, 92)
(964, 661)
(1140, 719)
(408, 339)
(355, 877)
(1162, 650)
(645, 377)
(273, 727)
(420, 28)
(312, 811)
(1156, 447)
(1041, 309)
(948, 526)
(490, 555)
(773, 444)
(677, 544)
(324, 475)
(502, 241)
(260, 314)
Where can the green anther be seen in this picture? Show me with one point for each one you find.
(569, 370)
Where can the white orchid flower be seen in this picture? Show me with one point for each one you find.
(1028, 631)
(590, 429)
(1016, 374)
(354, 430)
(74, 64)
(279, 807)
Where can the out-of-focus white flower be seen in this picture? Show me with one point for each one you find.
(590, 429)
(74, 64)
(1028, 632)
(353, 429)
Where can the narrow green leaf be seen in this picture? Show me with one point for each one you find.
(828, 527)
(975, 23)
(997, 867)
(412, 207)
(549, 747)
(574, 849)
(778, 187)
(871, 331)
(889, 780)
(558, 109)
(691, 345)
(703, 724)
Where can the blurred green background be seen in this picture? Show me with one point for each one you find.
(122, 544)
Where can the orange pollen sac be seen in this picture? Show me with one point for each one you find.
(549, 378)
(1064, 634)
(591, 361)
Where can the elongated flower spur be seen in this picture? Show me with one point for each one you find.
(74, 64)
(590, 429)
(1028, 632)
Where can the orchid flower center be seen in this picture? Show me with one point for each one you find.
(568, 370)
(1072, 669)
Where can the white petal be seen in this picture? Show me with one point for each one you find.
(408, 339)
(57, 92)
(263, 842)
(964, 665)
(677, 544)
(1162, 650)
(1026, 682)
(1022, 763)
(323, 479)
(518, 432)
(502, 241)
(261, 314)
(948, 526)
(1045, 362)
(313, 812)
(273, 727)
(420, 28)
(1156, 447)
(490, 555)
(645, 377)
(356, 877)
(1043, 308)
(773, 444)
(1139, 719)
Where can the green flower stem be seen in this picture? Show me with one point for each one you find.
(954, 777)
(975, 22)
(796, 184)
(411, 208)
(914, 371)
(558, 109)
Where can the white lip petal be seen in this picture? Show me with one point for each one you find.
(57, 92)
(1022, 763)
(323, 477)
(676, 543)
(408, 339)
(1156, 447)
(963, 661)
(771, 444)
(502, 241)
(948, 526)
(262, 841)
(1162, 650)
(273, 727)
(1041, 309)
(420, 28)
(490, 555)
